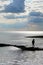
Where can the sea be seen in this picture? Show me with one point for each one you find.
(14, 56)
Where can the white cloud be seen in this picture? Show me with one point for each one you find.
(37, 5)
(10, 20)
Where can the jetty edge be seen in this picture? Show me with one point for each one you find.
(22, 47)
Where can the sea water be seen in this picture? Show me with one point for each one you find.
(14, 56)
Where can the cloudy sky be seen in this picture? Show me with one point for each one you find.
(21, 15)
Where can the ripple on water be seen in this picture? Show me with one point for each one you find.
(9, 56)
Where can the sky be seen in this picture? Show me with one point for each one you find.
(21, 15)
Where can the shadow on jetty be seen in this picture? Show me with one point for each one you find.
(23, 48)
(4, 45)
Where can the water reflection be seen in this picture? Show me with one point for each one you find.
(20, 57)
(17, 57)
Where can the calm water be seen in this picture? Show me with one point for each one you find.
(14, 56)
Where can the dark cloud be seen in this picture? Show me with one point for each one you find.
(36, 20)
(17, 6)
(36, 17)
(35, 14)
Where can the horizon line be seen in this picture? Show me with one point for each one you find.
(31, 32)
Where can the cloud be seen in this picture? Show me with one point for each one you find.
(36, 17)
(36, 20)
(33, 13)
(16, 6)
(14, 17)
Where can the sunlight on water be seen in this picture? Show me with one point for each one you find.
(17, 57)
(14, 56)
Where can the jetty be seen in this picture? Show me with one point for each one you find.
(22, 47)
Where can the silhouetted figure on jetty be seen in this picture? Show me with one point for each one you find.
(33, 41)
